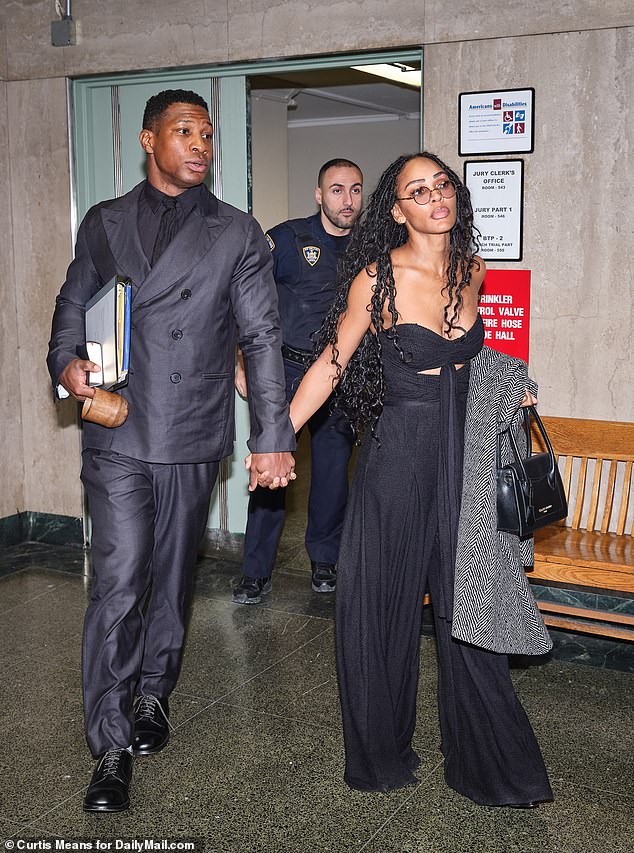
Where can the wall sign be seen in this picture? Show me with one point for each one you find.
(505, 299)
(496, 122)
(497, 197)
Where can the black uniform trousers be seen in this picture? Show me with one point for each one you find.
(331, 442)
(147, 522)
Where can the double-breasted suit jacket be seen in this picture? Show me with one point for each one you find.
(213, 286)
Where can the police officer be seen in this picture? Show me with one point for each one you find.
(305, 253)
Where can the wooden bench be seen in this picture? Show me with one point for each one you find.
(592, 549)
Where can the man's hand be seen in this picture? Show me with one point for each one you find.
(270, 470)
(73, 378)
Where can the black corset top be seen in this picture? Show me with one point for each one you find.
(425, 349)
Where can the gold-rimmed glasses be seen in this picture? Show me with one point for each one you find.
(422, 194)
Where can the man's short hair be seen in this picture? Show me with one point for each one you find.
(337, 161)
(157, 105)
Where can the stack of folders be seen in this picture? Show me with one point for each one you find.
(108, 333)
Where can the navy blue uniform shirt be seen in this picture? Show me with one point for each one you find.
(305, 271)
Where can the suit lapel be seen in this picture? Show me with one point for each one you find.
(187, 249)
(120, 225)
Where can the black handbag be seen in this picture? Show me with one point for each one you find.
(530, 493)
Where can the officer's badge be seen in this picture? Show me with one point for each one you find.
(311, 253)
(269, 241)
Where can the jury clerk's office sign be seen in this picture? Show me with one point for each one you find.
(497, 198)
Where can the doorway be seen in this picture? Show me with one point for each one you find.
(275, 121)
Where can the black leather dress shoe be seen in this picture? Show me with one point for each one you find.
(151, 725)
(108, 789)
(529, 805)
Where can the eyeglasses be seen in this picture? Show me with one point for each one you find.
(422, 195)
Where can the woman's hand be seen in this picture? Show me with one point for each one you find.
(528, 400)
(270, 470)
(240, 380)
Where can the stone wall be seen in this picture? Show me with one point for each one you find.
(578, 215)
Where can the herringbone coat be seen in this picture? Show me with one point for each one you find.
(494, 607)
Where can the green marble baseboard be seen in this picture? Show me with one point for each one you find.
(610, 603)
(40, 527)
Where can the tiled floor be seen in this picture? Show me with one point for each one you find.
(255, 763)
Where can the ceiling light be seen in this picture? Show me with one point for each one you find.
(396, 71)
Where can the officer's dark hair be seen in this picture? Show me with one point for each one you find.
(157, 105)
(337, 161)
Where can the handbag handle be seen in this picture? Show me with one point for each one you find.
(527, 411)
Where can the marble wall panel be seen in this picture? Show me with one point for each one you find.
(121, 35)
(4, 66)
(464, 20)
(261, 28)
(38, 151)
(125, 35)
(28, 40)
(11, 450)
(579, 212)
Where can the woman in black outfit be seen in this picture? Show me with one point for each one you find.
(404, 343)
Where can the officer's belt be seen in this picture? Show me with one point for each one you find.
(298, 356)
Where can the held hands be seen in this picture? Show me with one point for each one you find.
(528, 400)
(73, 378)
(272, 470)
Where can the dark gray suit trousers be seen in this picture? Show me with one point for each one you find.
(148, 520)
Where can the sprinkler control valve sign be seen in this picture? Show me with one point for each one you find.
(504, 305)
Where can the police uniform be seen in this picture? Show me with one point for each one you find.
(305, 271)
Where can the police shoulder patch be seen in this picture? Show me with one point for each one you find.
(269, 240)
(311, 254)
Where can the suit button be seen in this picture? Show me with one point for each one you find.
(175, 378)
(185, 294)
(177, 334)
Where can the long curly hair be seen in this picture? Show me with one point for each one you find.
(360, 389)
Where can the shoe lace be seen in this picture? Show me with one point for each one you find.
(146, 706)
(110, 764)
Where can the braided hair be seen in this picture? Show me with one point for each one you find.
(360, 390)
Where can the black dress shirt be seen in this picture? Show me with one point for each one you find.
(151, 210)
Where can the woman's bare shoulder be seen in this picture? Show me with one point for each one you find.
(478, 272)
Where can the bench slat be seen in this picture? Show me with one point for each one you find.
(625, 497)
(578, 437)
(585, 576)
(582, 612)
(594, 503)
(581, 489)
(567, 482)
(609, 498)
(589, 628)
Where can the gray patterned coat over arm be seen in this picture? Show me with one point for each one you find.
(494, 607)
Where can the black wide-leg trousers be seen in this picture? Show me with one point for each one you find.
(147, 522)
(390, 553)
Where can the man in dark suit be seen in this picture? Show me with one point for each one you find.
(202, 282)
